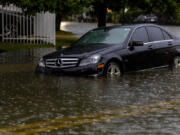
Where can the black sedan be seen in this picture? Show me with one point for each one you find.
(115, 50)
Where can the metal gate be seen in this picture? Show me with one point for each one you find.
(16, 27)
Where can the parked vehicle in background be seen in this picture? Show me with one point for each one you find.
(146, 19)
(112, 51)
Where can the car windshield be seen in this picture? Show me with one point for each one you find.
(107, 36)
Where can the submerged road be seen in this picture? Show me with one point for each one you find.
(67, 122)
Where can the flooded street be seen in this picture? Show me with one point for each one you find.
(142, 103)
(80, 28)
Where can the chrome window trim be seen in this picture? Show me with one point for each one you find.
(169, 40)
(148, 35)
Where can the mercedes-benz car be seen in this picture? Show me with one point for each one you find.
(115, 50)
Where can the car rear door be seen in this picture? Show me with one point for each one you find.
(139, 57)
(160, 42)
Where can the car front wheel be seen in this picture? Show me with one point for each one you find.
(113, 70)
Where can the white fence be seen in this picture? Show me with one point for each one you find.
(16, 27)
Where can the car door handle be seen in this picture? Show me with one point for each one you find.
(169, 43)
(150, 47)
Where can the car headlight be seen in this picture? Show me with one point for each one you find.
(90, 60)
(41, 63)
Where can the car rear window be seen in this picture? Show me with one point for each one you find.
(155, 34)
(166, 35)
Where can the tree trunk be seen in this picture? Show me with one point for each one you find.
(58, 22)
(123, 15)
(101, 11)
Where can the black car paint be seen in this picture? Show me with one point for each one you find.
(151, 54)
(78, 51)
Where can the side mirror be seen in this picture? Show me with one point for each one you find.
(136, 43)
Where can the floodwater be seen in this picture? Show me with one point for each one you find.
(142, 103)
(80, 28)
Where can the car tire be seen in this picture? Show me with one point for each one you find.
(113, 69)
(42, 70)
(176, 63)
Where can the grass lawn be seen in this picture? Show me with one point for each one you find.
(62, 39)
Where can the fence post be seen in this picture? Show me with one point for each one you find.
(54, 29)
(2, 25)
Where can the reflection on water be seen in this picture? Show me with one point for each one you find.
(24, 56)
(79, 28)
(30, 98)
(27, 98)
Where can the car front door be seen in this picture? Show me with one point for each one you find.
(139, 57)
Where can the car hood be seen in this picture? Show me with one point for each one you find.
(79, 51)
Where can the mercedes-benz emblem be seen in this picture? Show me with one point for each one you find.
(58, 62)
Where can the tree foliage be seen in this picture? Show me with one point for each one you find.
(101, 7)
(32, 6)
(166, 10)
(62, 8)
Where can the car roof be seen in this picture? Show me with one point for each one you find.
(134, 26)
(129, 25)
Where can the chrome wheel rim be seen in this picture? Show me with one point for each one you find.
(113, 70)
(177, 63)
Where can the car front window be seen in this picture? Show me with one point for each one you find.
(140, 35)
(107, 36)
